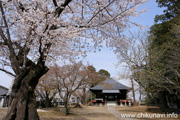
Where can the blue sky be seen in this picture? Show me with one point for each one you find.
(106, 59)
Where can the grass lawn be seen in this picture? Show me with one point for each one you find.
(2, 112)
(84, 113)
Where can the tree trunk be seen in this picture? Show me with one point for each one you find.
(47, 101)
(22, 99)
(133, 91)
(162, 97)
(178, 103)
(84, 96)
(140, 93)
(67, 112)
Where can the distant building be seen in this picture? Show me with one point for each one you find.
(3, 97)
(73, 100)
(58, 100)
(110, 92)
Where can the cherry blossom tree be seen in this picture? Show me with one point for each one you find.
(66, 80)
(71, 78)
(34, 32)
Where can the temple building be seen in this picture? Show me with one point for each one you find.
(110, 92)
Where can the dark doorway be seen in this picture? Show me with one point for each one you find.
(110, 98)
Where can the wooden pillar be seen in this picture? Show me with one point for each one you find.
(121, 103)
(125, 103)
(105, 99)
(116, 100)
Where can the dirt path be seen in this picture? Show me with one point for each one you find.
(95, 113)
(116, 113)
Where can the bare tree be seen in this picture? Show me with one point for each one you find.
(142, 62)
(135, 55)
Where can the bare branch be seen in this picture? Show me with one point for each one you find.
(70, 8)
(100, 11)
(2, 35)
(119, 14)
(178, 74)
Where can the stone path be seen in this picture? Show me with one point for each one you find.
(117, 114)
(40, 110)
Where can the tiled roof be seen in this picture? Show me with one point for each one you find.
(3, 87)
(109, 84)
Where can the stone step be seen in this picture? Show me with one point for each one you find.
(111, 103)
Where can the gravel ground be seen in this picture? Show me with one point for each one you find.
(118, 114)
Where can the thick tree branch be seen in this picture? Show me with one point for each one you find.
(55, 3)
(7, 40)
(5, 22)
(3, 36)
(60, 9)
(45, 52)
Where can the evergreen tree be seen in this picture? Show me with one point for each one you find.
(164, 59)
